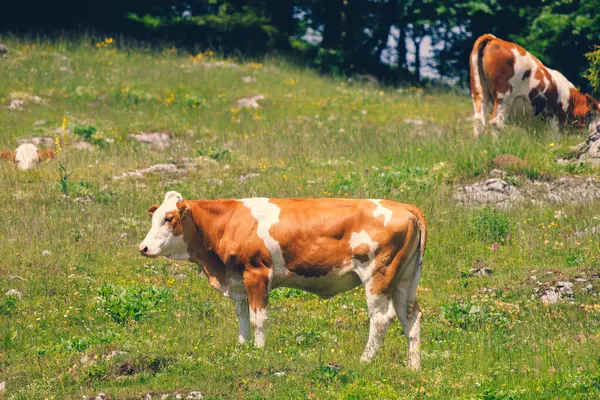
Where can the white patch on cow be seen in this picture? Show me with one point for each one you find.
(26, 156)
(381, 210)
(258, 319)
(564, 87)
(160, 241)
(363, 269)
(267, 215)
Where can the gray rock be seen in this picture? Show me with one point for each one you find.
(148, 396)
(249, 101)
(14, 293)
(492, 191)
(483, 271)
(160, 140)
(115, 353)
(16, 104)
(3, 49)
(550, 296)
(65, 69)
(83, 146)
(280, 374)
(588, 288)
(40, 122)
(565, 287)
(195, 395)
(3, 383)
(42, 141)
(414, 121)
(248, 79)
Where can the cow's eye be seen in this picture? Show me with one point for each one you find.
(168, 219)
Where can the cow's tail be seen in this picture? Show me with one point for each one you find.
(477, 81)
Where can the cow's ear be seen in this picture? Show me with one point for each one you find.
(182, 207)
(592, 103)
(152, 209)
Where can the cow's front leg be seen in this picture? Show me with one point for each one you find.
(256, 282)
(241, 309)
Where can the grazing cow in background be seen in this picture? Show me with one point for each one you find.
(324, 246)
(27, 156)
(517, 83)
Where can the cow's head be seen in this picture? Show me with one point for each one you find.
(166, 235)
(593, 116)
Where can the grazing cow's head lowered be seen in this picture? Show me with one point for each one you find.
(592, 117)
(166, 235)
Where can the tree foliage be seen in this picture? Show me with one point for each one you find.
(339, 36)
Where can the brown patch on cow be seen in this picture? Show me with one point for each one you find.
(8, 155)
(173, 220)
(361, 253)
(46, 155)
(579, 108)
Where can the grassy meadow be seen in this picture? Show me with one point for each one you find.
(95, 316)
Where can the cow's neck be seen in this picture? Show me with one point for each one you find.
(203, 233)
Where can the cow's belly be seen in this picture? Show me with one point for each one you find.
(324, 286)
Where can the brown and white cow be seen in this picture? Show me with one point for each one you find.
(514, 82)
(27, 156)
(325, 246)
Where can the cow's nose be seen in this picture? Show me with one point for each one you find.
(143, 249)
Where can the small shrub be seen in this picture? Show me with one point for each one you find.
(127, 304)
(216, 153)
(490, 225)
(8, 305)
(85, 132)
(593, 72)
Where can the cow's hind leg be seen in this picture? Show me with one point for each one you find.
(502, 106)
(408, 311)
(381, 314)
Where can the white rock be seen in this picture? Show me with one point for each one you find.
(2, 386)
(159, 140)
(248, 79)
(16, 104)
(195, 395)
(588, 288)
(565, 287)
(13, 293)
(148, 396)
(279, 374)
(550, 296)
(46, 252)
(250, 101)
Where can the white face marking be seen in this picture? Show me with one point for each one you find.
(26, 156)
(267, 215)
(160, 241)
(381, 210)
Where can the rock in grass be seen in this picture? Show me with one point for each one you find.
(45, 141)
(3, 49)
(195, 395)
(493, 191)
(550, 296)
(249, 101)
(160, 140)
(14, 293)
(588, 151)
(16, 104)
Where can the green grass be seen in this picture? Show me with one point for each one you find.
(93, 294)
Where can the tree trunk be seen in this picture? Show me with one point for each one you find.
(401, 48)
(417, 42)
(332, 33)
